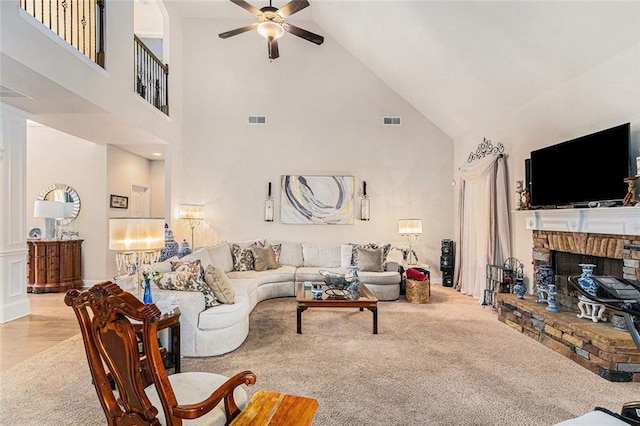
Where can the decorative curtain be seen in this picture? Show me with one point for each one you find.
(483, 223)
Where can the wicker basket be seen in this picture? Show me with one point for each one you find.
(418, 291)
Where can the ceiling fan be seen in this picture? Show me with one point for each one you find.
(271, 24)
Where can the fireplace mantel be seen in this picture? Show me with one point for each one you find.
(603, 220)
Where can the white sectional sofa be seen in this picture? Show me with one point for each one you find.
(221, 329)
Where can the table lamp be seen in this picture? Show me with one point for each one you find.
(137, 241)
(194, 213)
(49, 211)
(411, 230)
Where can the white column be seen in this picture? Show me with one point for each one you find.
(13, 245)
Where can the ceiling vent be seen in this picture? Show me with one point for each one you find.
(7, 92)
(392, 121)
(257, 119)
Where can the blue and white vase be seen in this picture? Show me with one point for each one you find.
(586, 282)
(354, 287)
(545, 277)
(184, 249)
(519, 288)
(171, 247)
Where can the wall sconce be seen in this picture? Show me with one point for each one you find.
(411, 230)
(268, 206)
(49, 211)
(194, 213)
(365, 212)
(138, 241)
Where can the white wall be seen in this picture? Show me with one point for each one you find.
(56, 157)
(156, 180)
(324, 112)
(124, 169)
(605, 96)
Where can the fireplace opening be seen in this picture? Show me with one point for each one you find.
(566, 264)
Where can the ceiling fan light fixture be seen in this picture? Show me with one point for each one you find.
(270, 30)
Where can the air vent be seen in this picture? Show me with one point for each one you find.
(392, 121)
(7, 92)
(257, 119)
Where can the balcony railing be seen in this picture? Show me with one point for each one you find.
(151, 77)
(79, 22)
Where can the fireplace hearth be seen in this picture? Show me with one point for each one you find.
(608, 238)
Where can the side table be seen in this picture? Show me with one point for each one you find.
(172, 322)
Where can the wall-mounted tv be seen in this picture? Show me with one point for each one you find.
(587, 169)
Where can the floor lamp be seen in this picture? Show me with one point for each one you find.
(194, 213)
(411, 230)
(137, 241)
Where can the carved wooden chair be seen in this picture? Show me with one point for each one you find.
(104, 312)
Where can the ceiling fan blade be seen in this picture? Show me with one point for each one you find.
(273, 49)
(243, 4)
(292, 7)
(307, 35)
(238, 31)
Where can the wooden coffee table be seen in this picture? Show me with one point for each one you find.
(305, 300)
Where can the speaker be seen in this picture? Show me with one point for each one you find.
(447, 247)
(446, 262)
(527, 174)
(447, 279)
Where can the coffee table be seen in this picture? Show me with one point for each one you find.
(305, 300)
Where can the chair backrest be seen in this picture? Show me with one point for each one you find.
(104, 312)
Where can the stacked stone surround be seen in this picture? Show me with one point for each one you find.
(595, 346)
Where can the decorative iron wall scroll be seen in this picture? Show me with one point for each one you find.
(485, 148)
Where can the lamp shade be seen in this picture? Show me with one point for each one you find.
(136, 234)
(410, 226)
(191, 211)
(48, 209)
(270, 30)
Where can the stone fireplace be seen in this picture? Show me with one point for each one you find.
(608, 238)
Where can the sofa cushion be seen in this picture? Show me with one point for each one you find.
(220, 284)
(195, 267)
(247, 243)
(224, 316)
(186, 280)
(264, 258)
(370, 260)
(323, 255)
(380, 278)
(221, 256)
(242, 258)
(346, 253)
(290, 253)
(166, 265)
(281, 274)
(312, 273)
(201, 254)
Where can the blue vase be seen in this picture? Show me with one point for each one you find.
(519, 289)
(354, 287)
(184, 249)
(545, 277)
(586, 282)
(147, 299)
(171, 247)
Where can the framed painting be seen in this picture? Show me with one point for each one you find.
(119, 202)
(317, 200)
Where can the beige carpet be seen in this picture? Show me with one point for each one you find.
(450, 362)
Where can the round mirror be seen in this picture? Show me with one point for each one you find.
(65, 194)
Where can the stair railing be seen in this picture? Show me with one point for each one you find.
(151, 77)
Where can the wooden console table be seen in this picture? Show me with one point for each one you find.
(54, 265)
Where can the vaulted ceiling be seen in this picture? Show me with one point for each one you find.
(463, 64)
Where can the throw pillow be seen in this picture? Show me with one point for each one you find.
(220, 284)
(194, 267)
(221, 256)
(346, 253)
(277, 248)
(370, 260)
(354, 251)
(264, 258)
(187, 281)
(242, 258)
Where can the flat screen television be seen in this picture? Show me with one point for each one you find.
(591, 168)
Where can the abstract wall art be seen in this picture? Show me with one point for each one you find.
(317, 200)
